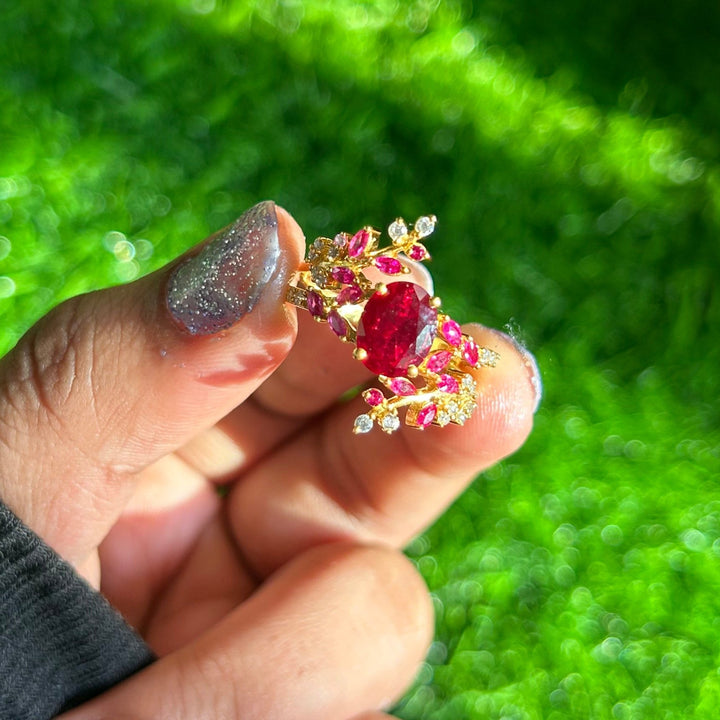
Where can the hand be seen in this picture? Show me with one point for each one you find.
(284, 596)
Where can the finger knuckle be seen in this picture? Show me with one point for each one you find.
(54, 363)
(51, 374)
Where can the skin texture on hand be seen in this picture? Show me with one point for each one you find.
(286, 596)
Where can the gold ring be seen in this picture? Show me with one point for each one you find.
(420, 354)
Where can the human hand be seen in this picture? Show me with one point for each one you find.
(285, 596)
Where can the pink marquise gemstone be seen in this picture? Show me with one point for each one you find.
(397, 328)
(401, 386)
(451, 332)
(448, 384)
(373, 397)
(426, 415)
(388, 265)
(358, 243)
(343, 275)
(315, 304)
(438, 361)
(418, 252)
(470, 352)
(349, 294)
(337, 323)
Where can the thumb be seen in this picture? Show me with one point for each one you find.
(110, 381)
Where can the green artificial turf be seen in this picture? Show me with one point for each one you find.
(572, 154)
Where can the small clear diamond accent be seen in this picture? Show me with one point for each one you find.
(390, 423)
(363, 424)
(398, 229)
(443, 418)
(425, 225)
(318, 275)
(487, 356)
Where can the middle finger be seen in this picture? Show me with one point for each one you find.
(328, 484)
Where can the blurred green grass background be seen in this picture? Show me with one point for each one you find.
(572, 154)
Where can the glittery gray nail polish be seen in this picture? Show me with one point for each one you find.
(212, 290)
(530, 363)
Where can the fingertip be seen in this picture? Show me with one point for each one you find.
(409, 608)
(388, 613)
(511, 346)
(507, 397)
(509, 393)
(290, 232)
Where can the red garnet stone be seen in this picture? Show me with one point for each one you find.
(397, 329)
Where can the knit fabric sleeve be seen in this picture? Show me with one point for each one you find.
(61, 642)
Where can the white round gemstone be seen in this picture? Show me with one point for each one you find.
(424, 225)
(487, 356)
(398, 229)
(363, 424)
(318, 275)
(468, 384)
(443, 418)
(390, 423)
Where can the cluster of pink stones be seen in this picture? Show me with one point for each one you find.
(400, 335)
(449, 391)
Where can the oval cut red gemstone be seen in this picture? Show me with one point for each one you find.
(397, 329)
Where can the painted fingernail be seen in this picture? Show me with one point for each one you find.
(212, 290)
(530, 363)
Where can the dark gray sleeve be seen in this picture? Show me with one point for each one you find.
(61, 643)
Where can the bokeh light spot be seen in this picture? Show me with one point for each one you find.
(5, 247)
(7, 286)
